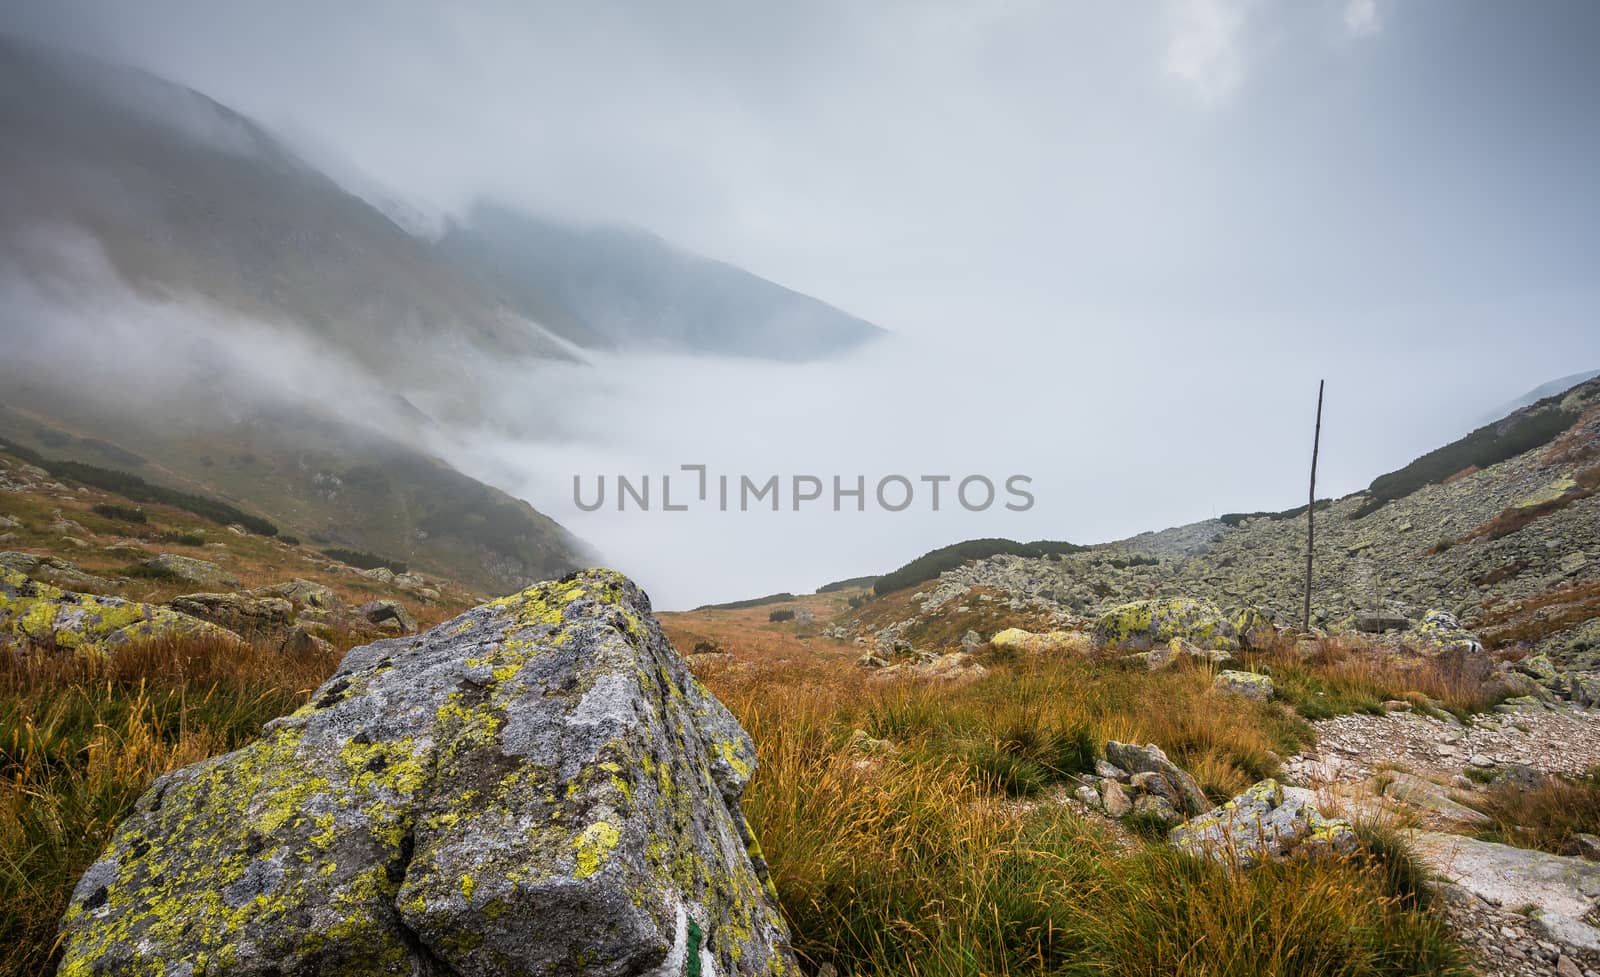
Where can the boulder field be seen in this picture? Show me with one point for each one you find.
(538, 786)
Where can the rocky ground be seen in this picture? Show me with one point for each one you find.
(1434, 549)
(1522, 911)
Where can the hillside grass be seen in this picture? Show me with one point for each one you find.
(1549, 817)
(935, 841)
(82, 737)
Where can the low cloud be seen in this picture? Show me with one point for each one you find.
(1205, 47)
(1361, 18)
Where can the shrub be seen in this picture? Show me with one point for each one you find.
(849, 584)
(739, 605)
(784, 615)
(1235, 518)
(362, 559)
(121, 513)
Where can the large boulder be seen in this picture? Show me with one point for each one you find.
(537, 787)
(240, 613)
(388, 615)
(191, 570)
(1035, 643)
(49, 569)
(41, 616)
(1142, 624)
(1262, 824)
(1248, 685)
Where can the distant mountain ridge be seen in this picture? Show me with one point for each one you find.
(616, 288)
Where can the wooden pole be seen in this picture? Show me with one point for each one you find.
(1311, 510)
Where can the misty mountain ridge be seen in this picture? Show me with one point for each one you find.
(187, 196)
(621, 288)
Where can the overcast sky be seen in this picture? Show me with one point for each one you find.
(1120, 241)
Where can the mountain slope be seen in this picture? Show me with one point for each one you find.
(326, 481)
(613, 288)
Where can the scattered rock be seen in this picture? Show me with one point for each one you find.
(242, 614)
(302, 642)
(1158, 807)
(389, 616)
(1150, 759)
(49, 569)
(1114, 798)
(303, 594)
(1428, 796)
(1378, 622)
(538, 786)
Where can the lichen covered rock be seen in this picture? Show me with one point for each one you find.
(239, 613)
(1034, 643)
(539, 786)
(41, 616)
(1441, 631)
(202, 572)
(1250, 685)
(49, 569)
(1261, 824)
(1142, 624)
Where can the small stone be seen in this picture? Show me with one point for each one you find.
(1114, 799)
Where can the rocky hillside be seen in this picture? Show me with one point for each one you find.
(1501, 529)
(329, 483)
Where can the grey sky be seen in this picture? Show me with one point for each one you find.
(1124, 239)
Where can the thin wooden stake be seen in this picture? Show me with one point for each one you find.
(1311, 510)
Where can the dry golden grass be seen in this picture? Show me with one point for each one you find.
(81, 737)
(915, 858)
(1549, 816)
(944, 853)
